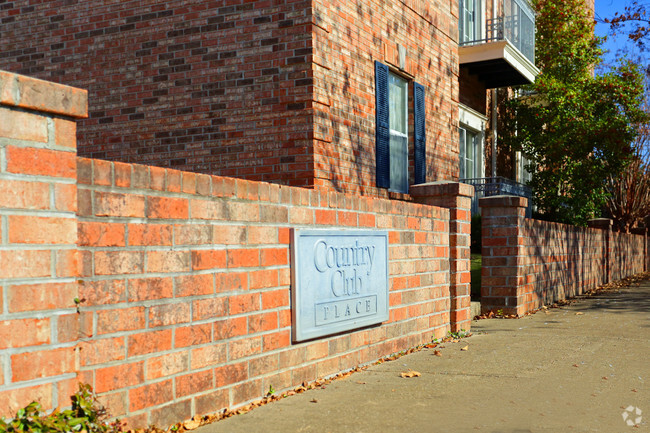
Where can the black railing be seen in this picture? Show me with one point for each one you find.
(490, 186)
(515, 23)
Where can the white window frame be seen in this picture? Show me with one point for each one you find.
(479, 20)
(475, 122)
(404, 135)
(523, 175)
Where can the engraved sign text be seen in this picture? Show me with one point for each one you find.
(339, 281)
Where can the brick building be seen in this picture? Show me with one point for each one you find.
(364, 97)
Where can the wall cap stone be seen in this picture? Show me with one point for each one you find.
(439, 188)
(600, 223)
(40, 95)
(503, 201)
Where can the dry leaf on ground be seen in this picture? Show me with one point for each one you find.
(579, 314)
(410, 373)
(191, 425)
(465, 349)
(437, 353)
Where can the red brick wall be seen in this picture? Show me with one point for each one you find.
(186, 287)
(528, 263)
(472, 92)
(183, 278)
(207, 86)
(38, 236)
(347, 38)
(280, 92)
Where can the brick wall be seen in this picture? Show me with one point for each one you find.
(280, 92)
(207, 86)
(528, 263)
(186, 286)
(348, 36)
(38, 237)
(183, 278)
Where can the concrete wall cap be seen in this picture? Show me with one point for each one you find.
(503, 201)
(34, 94)
(442, 188)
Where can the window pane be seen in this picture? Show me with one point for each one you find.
(398, 125)
(398, 103)
(461, 133)
(468, 10)
(471, 154)
(398, 163)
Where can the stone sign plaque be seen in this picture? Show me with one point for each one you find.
(339, 281)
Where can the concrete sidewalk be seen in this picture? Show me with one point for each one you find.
(574, 369)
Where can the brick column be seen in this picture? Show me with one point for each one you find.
(38, 241)
(604, 224)
(503, 282)
(457, 197)
(643, 231)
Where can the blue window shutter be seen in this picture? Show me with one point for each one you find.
(382, 132)
(420, 151)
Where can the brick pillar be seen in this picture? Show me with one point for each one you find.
(604, 224)
(643, 231)
(457, 197)
(38, 241)
(503, 280)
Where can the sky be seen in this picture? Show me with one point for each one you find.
(607, 9)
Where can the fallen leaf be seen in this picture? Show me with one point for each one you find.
(466, 348)
(579, 314)
(191, 425)
(575, 365)
(361, 383)
(410, 373)
(605, 378)
(634, 390)
(437, 353)
(313, 400)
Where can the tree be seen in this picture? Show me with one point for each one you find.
(628, 203)
(575, 128)
(635, 21)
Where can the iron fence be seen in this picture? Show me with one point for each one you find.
(490, 186)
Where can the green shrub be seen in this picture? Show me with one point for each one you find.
(85, 415)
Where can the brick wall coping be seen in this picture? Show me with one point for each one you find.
(31, 93)
(503, 201)
(442, 188)
(600, 223)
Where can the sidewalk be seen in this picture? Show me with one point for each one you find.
(556, 372)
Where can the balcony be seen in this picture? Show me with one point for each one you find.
(506, 55)
(490, 186)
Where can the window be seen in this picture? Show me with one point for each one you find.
(392, 133)
(470, 147)
(469, 26)
(398, 126)
(523, 175)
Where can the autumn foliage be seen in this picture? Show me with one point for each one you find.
(576, 127)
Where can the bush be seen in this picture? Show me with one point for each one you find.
(86, 415)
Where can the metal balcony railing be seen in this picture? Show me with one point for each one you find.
(490, 186)
(515, 23)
